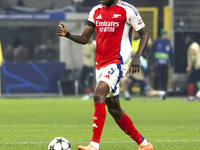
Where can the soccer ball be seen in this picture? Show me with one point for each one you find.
(59, 143)
(198, 94)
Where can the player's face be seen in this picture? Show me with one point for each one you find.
(108, 2)
(164, 36)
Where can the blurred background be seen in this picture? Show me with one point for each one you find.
(38, 62)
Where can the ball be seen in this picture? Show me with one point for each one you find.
(59, 143)
(198, 94)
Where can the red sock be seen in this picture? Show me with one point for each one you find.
(191, 89)
(98, 121)
(89, 89)
(126, 124)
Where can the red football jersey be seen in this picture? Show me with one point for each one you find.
(114, 32)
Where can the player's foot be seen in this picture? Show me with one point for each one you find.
(163, 94)
(86, 97)
(127, 98)
(198, 95)
(147, 147)
(189, 99)
(127, 95)
(89, 147)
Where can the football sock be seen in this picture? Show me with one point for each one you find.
(98, 121)
(191, 89)
(96, 145)
(126, 124)
(198, 95)
(89, 89)
(126, 94)
(144, 143)
(161, 93)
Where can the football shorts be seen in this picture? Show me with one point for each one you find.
(112, 75)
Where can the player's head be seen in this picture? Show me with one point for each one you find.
(189, 38)
(163, 34)
(108, 3)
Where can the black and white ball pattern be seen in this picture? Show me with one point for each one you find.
(59, 143)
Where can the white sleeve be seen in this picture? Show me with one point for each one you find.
(91, 14)
(134, 18)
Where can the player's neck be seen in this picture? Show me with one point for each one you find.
(114, 3)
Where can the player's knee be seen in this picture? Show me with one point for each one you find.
(99, 97)
(101, 92)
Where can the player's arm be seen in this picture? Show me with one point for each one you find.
(135, 63)
(81, 39)
(189, 63)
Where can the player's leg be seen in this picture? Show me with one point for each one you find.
(125, 83)
(156, 78)
(198, 87)
(90, 79)
(125, 123)
(164, 78)
(142, 86)
(83, 76)
(155, 93)
(164, 81)
(198, 84)
(191, 87)
(101, 91)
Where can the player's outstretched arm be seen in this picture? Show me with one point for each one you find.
(135, 63)
(81, 39)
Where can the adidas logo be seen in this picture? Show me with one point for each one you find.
(107, 76)
(95, 126)
(99, 17)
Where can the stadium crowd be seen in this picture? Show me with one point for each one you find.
(157, 55)
(21, 7)
(160, 56)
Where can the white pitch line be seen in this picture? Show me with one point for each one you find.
(105, 142)
(89, 129)
(78, 126)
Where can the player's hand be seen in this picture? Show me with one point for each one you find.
(61, 30)
(135, 65)
(189, 68)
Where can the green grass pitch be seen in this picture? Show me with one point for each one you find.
(30, 124)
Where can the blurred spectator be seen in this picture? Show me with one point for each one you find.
(4, 6)
(20, 3)
(193, 66)
(87, 73)
(162, 55)
(8, 53)
(143, 80)
(47, 51)
(19, 51)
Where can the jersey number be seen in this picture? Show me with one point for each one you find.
(112, 71)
